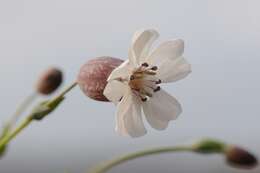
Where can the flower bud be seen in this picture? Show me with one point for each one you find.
(240, 158)
(93, 75)
(209, 146)
(49, 81)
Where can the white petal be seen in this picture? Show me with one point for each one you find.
(129, 116)
(114, 91)
(153, 117)
(173, 70)
(141, 44)
(162, 106)
(123, 71)
(167, 50)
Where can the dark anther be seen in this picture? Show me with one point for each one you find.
(132, 77)
(145, 64)
(157, 89)
(158, 82)
(144, 99)
(154, 68)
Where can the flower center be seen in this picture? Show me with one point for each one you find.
(143, 81)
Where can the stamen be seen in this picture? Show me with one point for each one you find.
(145, 64)
(150, 85)
(157, 89)
(144, 99)
(154, 68)
(144, 92)
(143, 81)
(138, 76)
(149, 72)
(132, 77)
(158, 82)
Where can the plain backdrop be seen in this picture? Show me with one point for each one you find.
(220, 98)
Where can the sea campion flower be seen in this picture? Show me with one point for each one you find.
(134, 85)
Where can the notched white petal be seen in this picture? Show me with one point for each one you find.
(137, 80)
(164, 106)
(165, 51)
(114, 91)
(141, 44)
(174, 70)
(123, 71)
(153, 117)
(129, 116)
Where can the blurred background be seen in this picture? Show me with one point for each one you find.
(220, 98)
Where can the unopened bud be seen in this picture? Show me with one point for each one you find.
(241, 158)
(209, 146)
(93, 75)
(49, 81)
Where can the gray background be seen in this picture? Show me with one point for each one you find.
(220, 98)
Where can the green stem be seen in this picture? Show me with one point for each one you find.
(6, 139)
(107, 166)
(21, 108)
(64, 92)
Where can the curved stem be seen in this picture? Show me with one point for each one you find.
(64, 92)
(6, 139)
(107, 166)
(21, 108)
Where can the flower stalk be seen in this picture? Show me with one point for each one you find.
(39, 112)
(13, 134)
(235, 156)
(20, 109)
(109, 165)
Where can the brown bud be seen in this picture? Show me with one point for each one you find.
(49, 81)
(241, 158)
(93, 75)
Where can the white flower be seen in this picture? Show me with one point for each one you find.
(134, 85)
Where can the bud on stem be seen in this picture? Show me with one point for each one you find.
(39, 112)
(235, 156)
(241, 158)
(49, 81)
(209, 146)
(93, 75)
